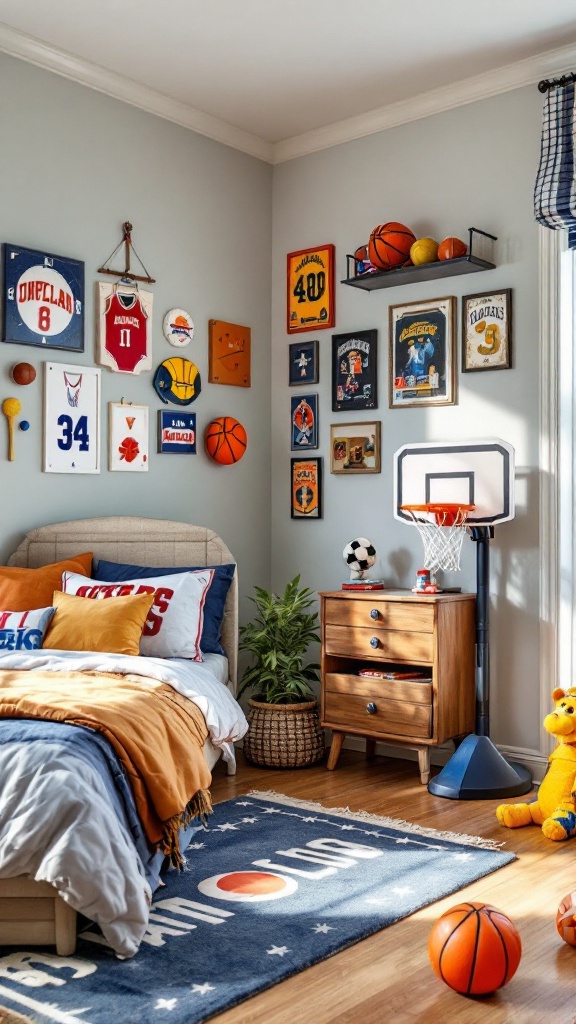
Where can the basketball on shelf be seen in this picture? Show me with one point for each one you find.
(451, 249)
(225, 440)
(389, 245)
(474, 948)
(566, 919)
(423, 250)
(359, 555)
(23, 373)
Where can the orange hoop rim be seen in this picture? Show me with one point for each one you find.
(453, 513)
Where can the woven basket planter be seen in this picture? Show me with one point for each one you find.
(283, 735)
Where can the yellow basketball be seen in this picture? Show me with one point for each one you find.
(423, 250)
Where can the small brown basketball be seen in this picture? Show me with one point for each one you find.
(23, 373)
(474, 948)
(225, 440)
(451, 248)
(389, 245)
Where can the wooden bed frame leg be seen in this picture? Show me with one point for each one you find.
(64, 927)
(424, 764)
(337, 741)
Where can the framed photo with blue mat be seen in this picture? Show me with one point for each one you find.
(304, 422)
(303, 363)
(43, 299)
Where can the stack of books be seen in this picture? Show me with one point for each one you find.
(363, 585)
(414, 675)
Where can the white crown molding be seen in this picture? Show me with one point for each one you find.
(491, 83)
(469, 90)
(26, 48)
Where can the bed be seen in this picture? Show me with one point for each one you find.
(39, 902)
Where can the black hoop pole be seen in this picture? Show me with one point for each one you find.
(482, 535)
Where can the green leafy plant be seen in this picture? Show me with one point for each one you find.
(278, 639)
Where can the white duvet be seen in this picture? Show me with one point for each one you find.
(56, 821)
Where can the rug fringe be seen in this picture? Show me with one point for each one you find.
(406, 826)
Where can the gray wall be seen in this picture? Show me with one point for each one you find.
(473, 166)
(74, 165)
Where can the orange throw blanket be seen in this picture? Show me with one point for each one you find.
(156, 732)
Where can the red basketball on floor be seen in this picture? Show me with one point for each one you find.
(389, 245)
(225, 440)
(474, 948)
(451, 248)
(23, 373)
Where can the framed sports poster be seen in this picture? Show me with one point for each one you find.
(422, 353)
(128, 442)
(124, 327)
(304, 420)
(354, 370)
(487, 331)
(228, 353)
(310, 280)
(306, 488)
(71, 418)
(43, 299)
(177, 432)
(303, 365)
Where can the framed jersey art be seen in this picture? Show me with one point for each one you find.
(124, 327)
(43, 299)
(71, 418)
(310, 275)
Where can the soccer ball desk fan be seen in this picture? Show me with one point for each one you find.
(447, 490)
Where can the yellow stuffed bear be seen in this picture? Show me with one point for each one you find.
(555, 807)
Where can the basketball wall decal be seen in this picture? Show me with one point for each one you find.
(225, 440)
(474, 948)
(23, 373)
(389, 245)
(451, 248)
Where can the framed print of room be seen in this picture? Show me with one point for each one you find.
(487, 331)
(355, 447)
(354, 365)
(310, 289)
(421, 354)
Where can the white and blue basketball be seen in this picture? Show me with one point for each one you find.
(359, 555)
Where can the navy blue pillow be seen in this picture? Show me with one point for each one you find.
(117, 572)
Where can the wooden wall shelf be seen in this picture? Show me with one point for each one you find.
(469, 264)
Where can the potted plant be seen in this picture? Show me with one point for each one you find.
(283, 711)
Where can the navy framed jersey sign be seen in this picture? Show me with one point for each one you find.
(71, 418)
(124, 327)
(43, 299)
(177, 432)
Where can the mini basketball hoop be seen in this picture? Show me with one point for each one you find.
(442, 527)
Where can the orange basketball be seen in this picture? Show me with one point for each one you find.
(474, 948)
(389, 245)
(225, 440)
(451, 248)
(23, 373)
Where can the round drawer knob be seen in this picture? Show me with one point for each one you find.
(374, 613)
(374, 641)
(371, 708)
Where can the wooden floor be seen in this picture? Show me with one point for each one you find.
(388, 977)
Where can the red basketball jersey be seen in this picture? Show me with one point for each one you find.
(126, 330)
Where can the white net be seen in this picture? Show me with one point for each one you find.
(442, 533)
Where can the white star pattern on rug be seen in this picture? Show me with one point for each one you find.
(227, 827)
(322, 929)
(202, 990)
(278, 950)
(195, 846)
(165, 1004)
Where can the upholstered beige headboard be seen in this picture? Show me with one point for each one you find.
(139, 541)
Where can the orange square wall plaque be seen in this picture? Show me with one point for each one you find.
(228, 354)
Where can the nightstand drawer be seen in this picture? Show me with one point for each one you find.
(385, 615)
(384, 644)
(390, 717)
(379, 689)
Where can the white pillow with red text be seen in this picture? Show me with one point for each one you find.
(174, 623)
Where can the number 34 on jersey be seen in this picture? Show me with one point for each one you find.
(72, 418)
(310, 276)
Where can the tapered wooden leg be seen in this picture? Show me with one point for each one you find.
(370, 748)
(337, 741)
(424, 764)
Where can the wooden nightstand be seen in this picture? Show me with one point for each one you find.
(396, 629)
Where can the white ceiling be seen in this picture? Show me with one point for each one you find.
(281, 77)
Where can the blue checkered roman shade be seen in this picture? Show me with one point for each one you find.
(555, 188)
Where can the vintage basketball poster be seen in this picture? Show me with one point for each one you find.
(43, 299)
(124, 327)
(71, 418)
(306, 499)
(128, 449)
(422, 353)
(310, 284)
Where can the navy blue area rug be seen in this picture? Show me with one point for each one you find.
(271, 886)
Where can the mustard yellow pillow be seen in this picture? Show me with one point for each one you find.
(82, 624)
(21, 590)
